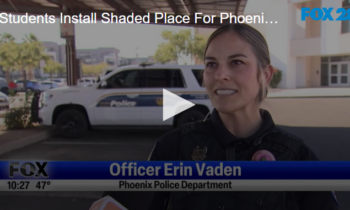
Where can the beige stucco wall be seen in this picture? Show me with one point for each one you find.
(295, 46)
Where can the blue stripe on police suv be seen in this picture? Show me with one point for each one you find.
(142, 100)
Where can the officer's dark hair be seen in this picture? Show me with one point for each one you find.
(258, 45)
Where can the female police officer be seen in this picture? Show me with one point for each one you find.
(237, 72)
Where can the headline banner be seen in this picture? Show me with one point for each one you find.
(174, 170)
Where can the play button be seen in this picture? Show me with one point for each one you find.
(173, 104)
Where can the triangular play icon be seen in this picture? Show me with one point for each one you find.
(174, 104)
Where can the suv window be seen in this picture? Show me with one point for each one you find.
(125, 79)
(198, 73)
(167, 78)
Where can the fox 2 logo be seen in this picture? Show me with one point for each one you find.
(28, 169)
(324, 14)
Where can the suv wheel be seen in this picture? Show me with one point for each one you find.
(190, 116)
(72, 123)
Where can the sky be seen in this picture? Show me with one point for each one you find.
(130, 39)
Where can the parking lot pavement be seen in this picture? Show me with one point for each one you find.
(330, 144)
(44, 203)
(97, 145)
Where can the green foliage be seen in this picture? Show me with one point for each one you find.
(8, 54)
(166, 52)
(93, 69)
(12, 92)
(6, 37)
(24, 56)
(198, 46)
(20, 118)
(178, 45)
(53, 67)
(276, 79)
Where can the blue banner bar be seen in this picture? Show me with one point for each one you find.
(154, 170)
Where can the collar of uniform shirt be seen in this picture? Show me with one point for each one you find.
(226, 138)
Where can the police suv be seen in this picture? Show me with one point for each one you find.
(127, 96)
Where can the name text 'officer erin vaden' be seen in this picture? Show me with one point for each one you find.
(237, 72)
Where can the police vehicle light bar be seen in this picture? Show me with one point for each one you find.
(144, 64)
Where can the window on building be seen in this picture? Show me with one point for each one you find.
(324, 59)
(50, 49)
(339, 58)
(110, 61)
(345, 25)
(165, 78)
(330, 67)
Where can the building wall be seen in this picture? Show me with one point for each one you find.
(136, 61)
(99, 55)
(278, 35)
(62, 54)
(86, 56)
(296, 46)
(58, 52)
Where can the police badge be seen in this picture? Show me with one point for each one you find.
(199, 153)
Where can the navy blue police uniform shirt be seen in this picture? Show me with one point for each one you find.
(179, 145)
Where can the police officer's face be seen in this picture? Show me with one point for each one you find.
(230, 74)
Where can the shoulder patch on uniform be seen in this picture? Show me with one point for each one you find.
(335, 198)
(279, 147)
(287, 140)
(288, 134)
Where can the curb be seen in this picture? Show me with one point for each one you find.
(84, 195)
(25, 141)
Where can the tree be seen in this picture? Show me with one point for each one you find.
(166, 52)
(8, 56)
(180, 44)
(29, 54)
(6, 37)
(197, 47)
(37, 53)
(53, 67)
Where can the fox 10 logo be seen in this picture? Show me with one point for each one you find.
(324, 14)
(27, 170)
